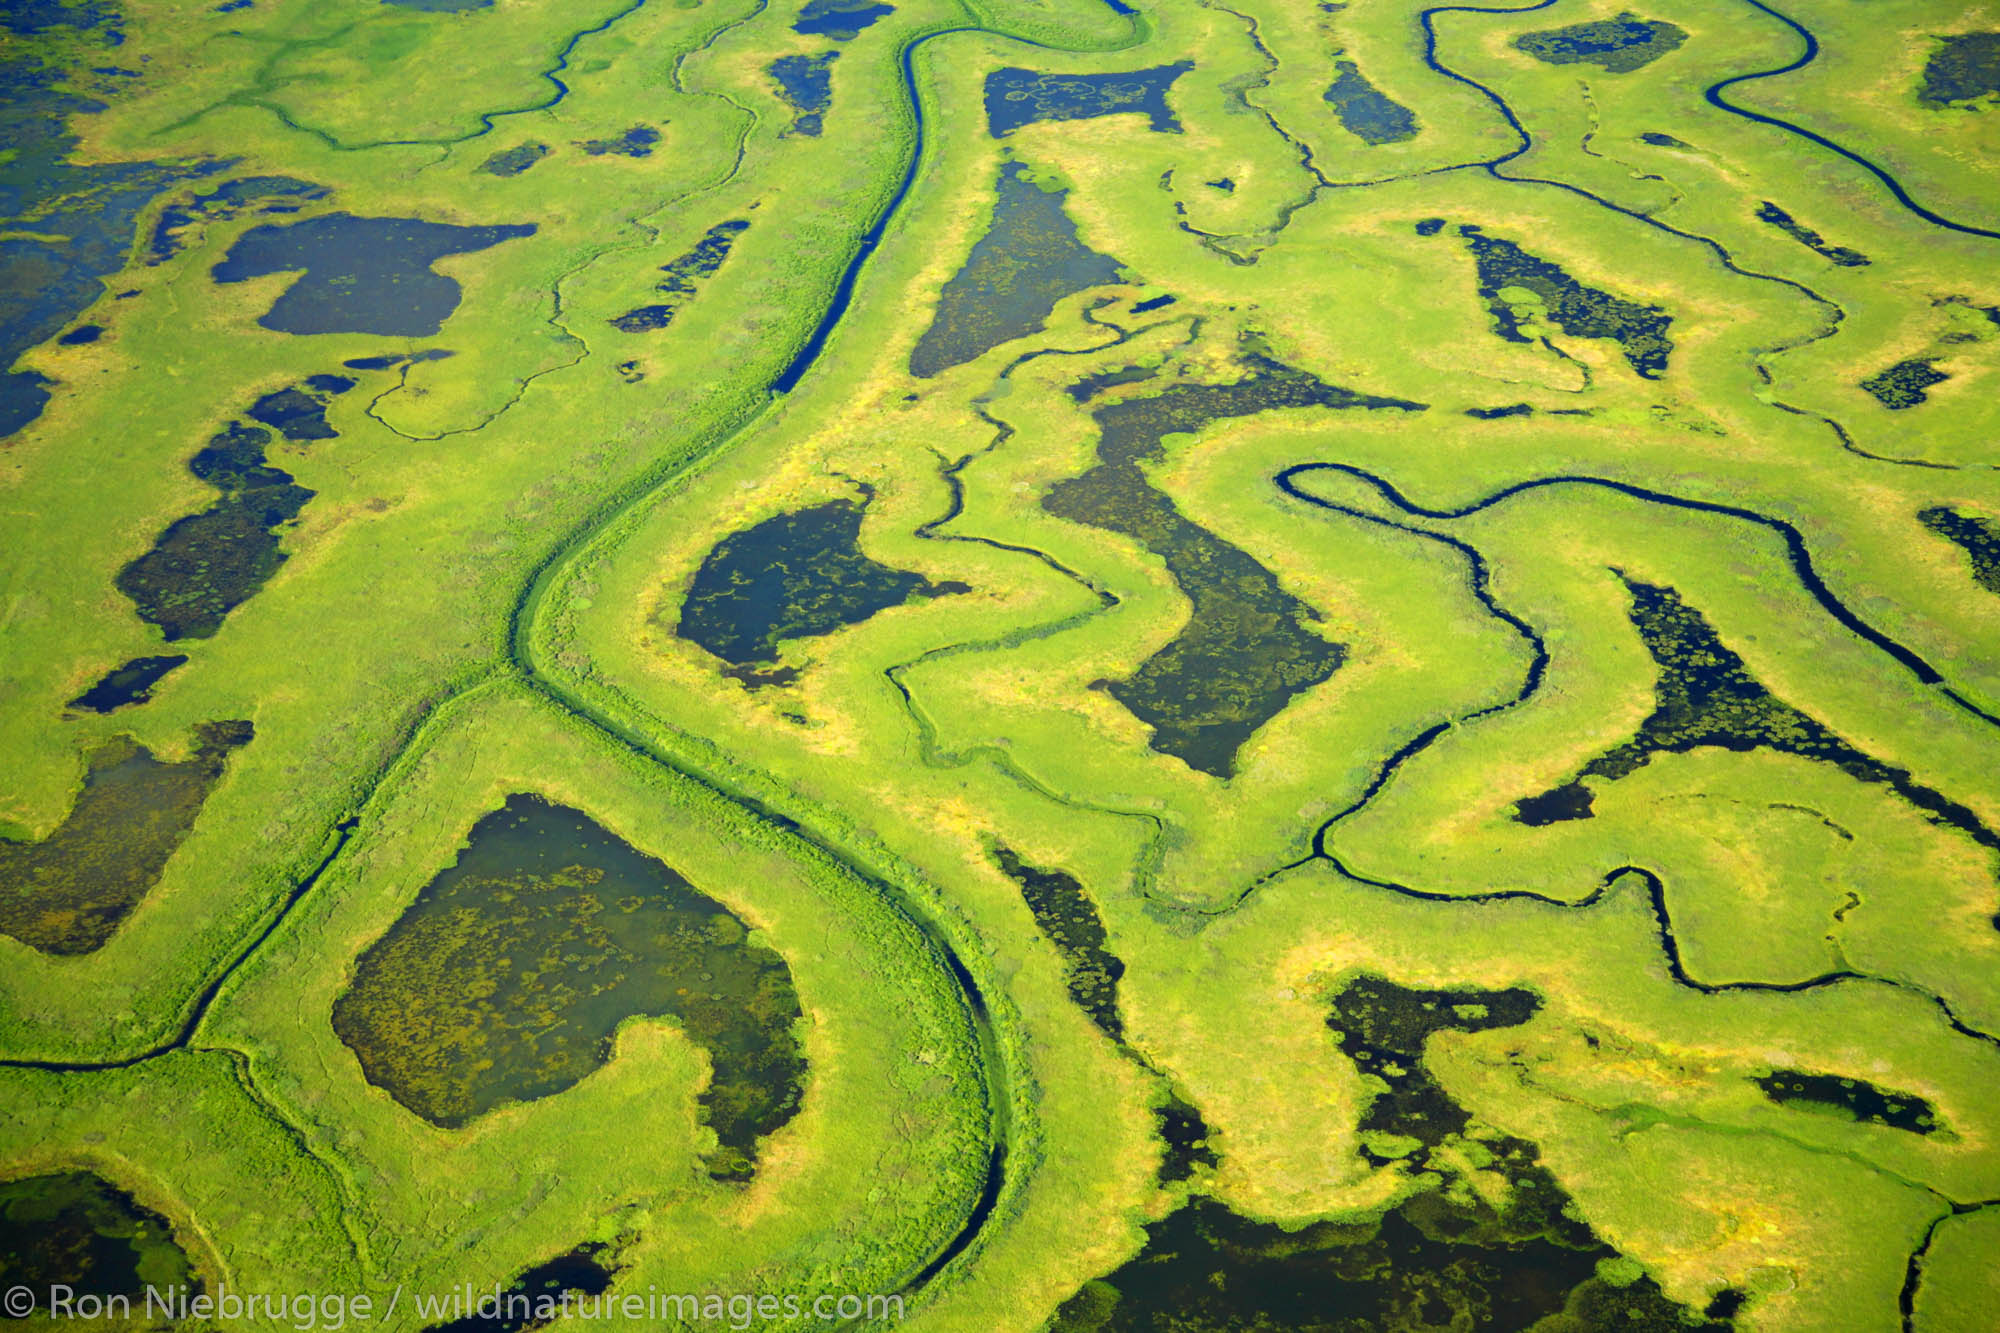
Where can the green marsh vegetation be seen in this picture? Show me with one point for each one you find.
(1180, 486)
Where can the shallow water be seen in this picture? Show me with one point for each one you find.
(525, 1303)
(513, 161)
(792, 576)
(1069, 919)
(1964, 67)
(76, 1229)
(505, 980)
(806, 85)
(1705, 697)
(1028, 261)
(1365, 111)
(207, 564)
(1436, 1261)
(1905, 384)
(1806, 236)
(842, 20)
(1978, 537)
(360, 275)
(1245, 650)
(684, 276)
(639, 141)
(1641, 331)
(182, 219)
(75, 221)
(1017, 97)
(125, 685)
(68, 893)
(1854, 1097)
(1616, 46)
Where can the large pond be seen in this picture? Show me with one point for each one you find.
(1017, 97)
(1365, 111)
(359, 275)
(67, 893)
(1963, 68)
(1029, 259)
(842, 20)
(795, 575)
(1246, 648)
(508, 976)
(1616, 45)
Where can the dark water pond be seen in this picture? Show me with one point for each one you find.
(1806, 236)
(507, 977)
(1365, 111)
(639, 141)
(1978, 537)
(129, 684)
(69, 892)
(1964, 68)
(806, 84)
(1245, 650)
(534, 1299)
(81, 334)
(1029, 259)
(1186, 1136)
(1705, 697)
(180, 220)
(513, 161)
(792, 576)
(1905, 384)
(359, 275)
(69, 224)
(1069, 919)
(299, 413)
(1616, 46)
(392, 360)
(1017, 97)
(684, 277)
(1436, 1261)
(841, 20)
(1851, 1097)
(76, 1229)
(207, 564)
(1579, 311)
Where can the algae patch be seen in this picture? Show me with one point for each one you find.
(505, 980)
(69, 892)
